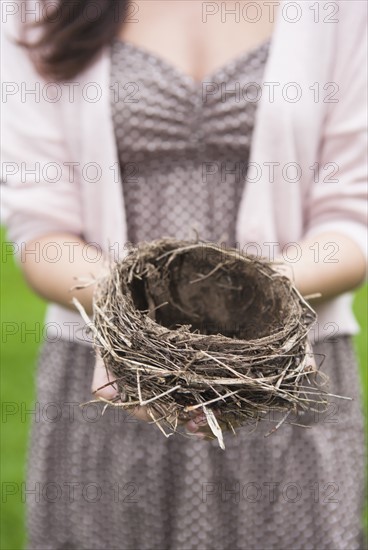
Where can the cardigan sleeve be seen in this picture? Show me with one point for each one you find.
(40, 186)
(338, 200)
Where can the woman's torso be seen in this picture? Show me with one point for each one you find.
(183, 146)
(184, 115)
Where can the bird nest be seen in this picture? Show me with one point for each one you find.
(191, 326)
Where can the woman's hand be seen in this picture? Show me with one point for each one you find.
(102, 387)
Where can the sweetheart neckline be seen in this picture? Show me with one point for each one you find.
(232, 62)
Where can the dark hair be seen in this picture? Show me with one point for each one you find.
(72, 34)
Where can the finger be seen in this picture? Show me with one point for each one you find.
(194, 425)
(141, 414)
(204, 434)
(101, 383)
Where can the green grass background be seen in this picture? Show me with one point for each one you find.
(18, 359)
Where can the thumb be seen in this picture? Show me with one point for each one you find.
(102, 381)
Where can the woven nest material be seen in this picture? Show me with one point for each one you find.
(186, 326)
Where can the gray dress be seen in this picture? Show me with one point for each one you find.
(107, 481)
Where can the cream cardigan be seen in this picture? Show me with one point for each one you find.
(323, 133)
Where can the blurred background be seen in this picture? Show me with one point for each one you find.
(21, 328)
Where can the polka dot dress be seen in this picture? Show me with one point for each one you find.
(106, 481)
(183, 145)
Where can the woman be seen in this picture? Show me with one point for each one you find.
(164, 117)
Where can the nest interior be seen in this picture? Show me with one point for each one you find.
(187, 325)
(214, 294)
